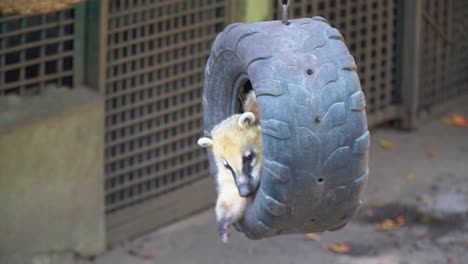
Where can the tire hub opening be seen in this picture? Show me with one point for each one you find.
(245, 86)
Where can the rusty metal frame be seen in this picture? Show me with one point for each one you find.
(410, 61)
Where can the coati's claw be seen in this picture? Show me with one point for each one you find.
(225, 238)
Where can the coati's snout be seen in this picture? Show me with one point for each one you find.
(246, 189)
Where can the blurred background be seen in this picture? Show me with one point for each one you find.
(100, 109)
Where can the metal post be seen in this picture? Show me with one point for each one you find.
(411, 61)
(95, 74)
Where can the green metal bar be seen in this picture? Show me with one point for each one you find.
(79, 44)
(60, 43)
(2, 57)
(95, 53)
(22, 75)
(42, 55)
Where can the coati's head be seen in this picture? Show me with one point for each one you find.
(237, 146)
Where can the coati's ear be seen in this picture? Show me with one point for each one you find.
(246, 119)
(205, 142)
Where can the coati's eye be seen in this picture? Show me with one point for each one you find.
(249, 156)
(226, 164)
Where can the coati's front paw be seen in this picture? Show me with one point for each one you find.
(223, 229)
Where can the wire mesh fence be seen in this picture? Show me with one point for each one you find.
(155, 60)
(154, 55)
(36, 51)
(371, 34)
(444, 52)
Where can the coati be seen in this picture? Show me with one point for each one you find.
(237, 147)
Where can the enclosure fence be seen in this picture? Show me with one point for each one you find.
(412, 58)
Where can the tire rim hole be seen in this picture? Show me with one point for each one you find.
(244, 89)
(320, 180)
(310, 72)
(312, 220)
(317, 120)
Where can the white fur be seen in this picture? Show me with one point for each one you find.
(246, 119)
(205, 142)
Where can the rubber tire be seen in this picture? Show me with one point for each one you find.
(312, 112)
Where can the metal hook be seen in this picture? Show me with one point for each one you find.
(284, 15)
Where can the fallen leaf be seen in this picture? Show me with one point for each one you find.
(455, 120)
(342, 248)
(390, 224)
(447, 121)
(411, 176)
(401, 220)
(425, 219)
(387, 225)
(459, 120)
(432, 153)
(450, 261)
(386, 144)
(421, 199)
(140, 253)
(376, 204)
(312, 236)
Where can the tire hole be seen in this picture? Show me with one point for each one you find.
(312, 220)
(310, 72)
(317, 120)
(320, 180)
(243, 91)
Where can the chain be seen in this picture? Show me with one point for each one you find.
(284, 4)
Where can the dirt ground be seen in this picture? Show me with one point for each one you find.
(416, 211)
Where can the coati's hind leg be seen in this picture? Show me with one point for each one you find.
(229, 208)
(224, 213)
(223, 229)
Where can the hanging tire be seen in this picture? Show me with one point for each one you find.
(314, 128)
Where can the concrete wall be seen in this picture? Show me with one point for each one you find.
(51, 177)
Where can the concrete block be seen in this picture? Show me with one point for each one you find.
(52, 175)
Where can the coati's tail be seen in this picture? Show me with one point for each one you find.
(250, 105)
(223, 229)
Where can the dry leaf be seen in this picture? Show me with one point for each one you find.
(455, 120)
(401, 220)
(387, 225)
(376, 204)
(450, 261)
(447, 121)
(411, 176)
(459, 120)
(425, 219)
(140, 253)
(390, 224)
(342, 248)
(312, 236)
(421, 199)
(386, 144)
(432, 153)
